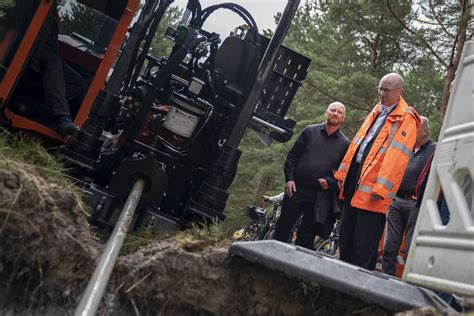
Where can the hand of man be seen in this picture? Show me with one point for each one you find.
(266, 198)
(290, 187)
(323, 183)
(376, 197)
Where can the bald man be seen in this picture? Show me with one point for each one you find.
(310, 188)
(372, 170)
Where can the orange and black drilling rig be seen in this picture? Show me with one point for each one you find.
(175, 122)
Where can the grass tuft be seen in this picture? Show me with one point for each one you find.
(21, 148)
(200, 236)
(27, 156)
(140, 238)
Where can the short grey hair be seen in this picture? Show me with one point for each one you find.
(337, 104)
(425, 121)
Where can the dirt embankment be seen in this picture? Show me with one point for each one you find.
(48, 252)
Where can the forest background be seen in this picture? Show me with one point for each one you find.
(352, 44)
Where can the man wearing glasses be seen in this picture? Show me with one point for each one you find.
(372, 170)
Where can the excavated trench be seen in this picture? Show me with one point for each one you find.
(48, 252)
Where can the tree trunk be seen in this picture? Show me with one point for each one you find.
(451, 71)
(455, 58)
(265, 184)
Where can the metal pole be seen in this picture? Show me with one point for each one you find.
(268, 125)
(95, 289)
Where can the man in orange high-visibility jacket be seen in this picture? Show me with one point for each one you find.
(372, 170)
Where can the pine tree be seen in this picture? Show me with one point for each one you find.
(352, 45)
(439, 29)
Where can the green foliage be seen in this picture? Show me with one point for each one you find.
(140, 238)
(435, 27)
(5, 4)
(30, 160)
(425, 94)
(352, 45)
(161, 46)
(21, 148)
(350, 50)
(195, 238)
(82, 20)
(437, 30)
(200, 236)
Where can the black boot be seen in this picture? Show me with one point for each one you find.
(64, 125)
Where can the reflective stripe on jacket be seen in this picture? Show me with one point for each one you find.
(383, 168)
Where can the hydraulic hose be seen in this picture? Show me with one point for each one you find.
(158, 83)
(146, 46)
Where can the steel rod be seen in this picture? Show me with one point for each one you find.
(268, 125)
(95, 289)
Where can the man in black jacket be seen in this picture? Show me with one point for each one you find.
(310, 188)
(403, 212)
(61, 83)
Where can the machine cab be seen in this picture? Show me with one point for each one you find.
(90, 36)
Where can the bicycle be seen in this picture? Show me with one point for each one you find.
(330, 246)
(269, 229)
(258, 219)
(262, 223)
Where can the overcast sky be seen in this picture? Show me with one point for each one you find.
(223, 21)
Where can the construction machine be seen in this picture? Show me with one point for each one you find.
(174, 121)
(158, 140)
(158, 137)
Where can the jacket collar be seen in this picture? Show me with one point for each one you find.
(429, 142)
(399, 110)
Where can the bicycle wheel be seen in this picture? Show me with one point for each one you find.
(250, 232)
(270, 232)
(329, 246)
(263, 232)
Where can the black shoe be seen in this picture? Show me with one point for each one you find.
(64, 126)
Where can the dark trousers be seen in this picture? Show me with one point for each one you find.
(302, 202)
(61, 84)
(360, 230)
(401, 217)
(360, 234)
(444, 211)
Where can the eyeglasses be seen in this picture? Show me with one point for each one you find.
(383, 89)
